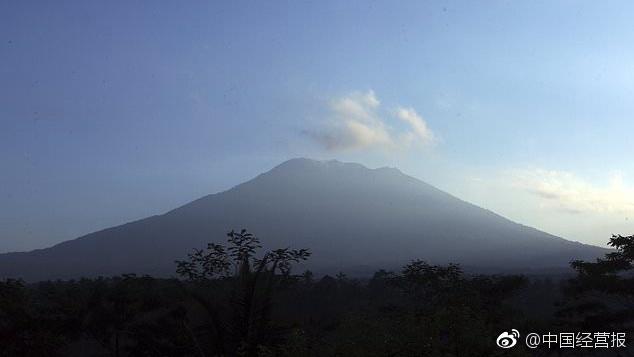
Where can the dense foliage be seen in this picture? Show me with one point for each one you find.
(234, 301)
(602, 294)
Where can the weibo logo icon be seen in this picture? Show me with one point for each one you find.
(508, 340)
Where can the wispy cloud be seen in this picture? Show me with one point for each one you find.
(356, 122)
(419, 129)
(570, 193)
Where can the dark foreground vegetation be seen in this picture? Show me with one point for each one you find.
(234, 301)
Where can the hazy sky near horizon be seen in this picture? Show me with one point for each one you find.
(113, 111)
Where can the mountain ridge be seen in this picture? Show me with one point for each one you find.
(347, 214)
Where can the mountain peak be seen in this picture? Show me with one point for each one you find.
(302, 163)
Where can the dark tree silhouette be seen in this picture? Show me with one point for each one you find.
(429, 310)
(241, 326)
(602, 293)
(25, 327)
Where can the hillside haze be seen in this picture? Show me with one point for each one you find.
(349, 216)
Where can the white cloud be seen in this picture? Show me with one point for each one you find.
(355, 122)
(419, 130)
(568, 192)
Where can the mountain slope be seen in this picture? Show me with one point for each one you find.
(347, 214)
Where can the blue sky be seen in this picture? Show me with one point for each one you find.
(112, 111)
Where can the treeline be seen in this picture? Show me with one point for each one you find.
(233, 301)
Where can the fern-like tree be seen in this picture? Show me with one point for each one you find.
(239, 324)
